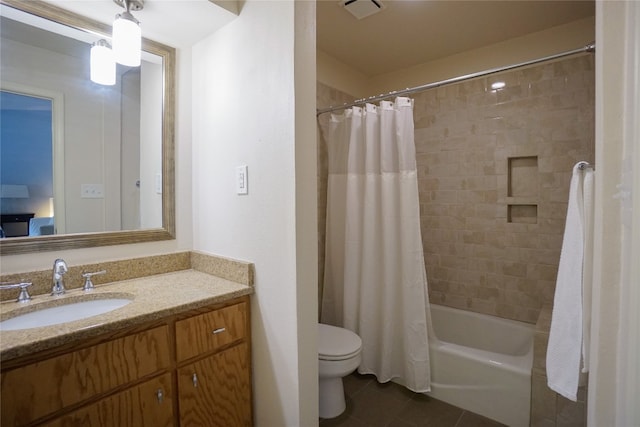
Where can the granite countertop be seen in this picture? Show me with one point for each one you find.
(153, 298)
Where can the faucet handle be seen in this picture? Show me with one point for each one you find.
(24, 294)
(88, 284)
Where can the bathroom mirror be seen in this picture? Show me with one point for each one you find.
(111, 182)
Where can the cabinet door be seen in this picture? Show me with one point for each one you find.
(216, 391)
(148, 405)
(33, 391)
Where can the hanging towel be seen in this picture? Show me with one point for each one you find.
(587, 271)
(570, 316)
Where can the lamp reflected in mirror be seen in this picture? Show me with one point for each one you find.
(103, 64)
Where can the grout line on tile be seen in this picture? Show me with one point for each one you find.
(361, 389)
(459, 419)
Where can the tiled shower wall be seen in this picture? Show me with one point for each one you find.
(326, 96)
(494, 171)
(494, 168)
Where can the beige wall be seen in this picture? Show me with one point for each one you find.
(607, 374)
(253, 104)
(335, 74)
(340, 76)
(520, 49)
(306, 211)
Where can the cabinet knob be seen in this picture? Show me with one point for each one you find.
(195, 380)
(160, 395)
(218, 330)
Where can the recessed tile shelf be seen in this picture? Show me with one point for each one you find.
(524, 214)
(523, 176)
(522, 190)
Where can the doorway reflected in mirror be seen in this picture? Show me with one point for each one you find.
(26, 165)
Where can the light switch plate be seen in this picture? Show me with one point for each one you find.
(242, 180)
(92, 191)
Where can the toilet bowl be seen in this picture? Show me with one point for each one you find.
(339, 354)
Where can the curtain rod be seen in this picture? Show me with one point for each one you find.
(591, 47)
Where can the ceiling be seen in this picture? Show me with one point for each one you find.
(410, 32)
(176, 23)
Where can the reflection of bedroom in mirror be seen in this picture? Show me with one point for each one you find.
(96, 165)
(26, 165)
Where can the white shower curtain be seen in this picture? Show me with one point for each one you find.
(375, 282)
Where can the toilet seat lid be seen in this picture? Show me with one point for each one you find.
(337, 343)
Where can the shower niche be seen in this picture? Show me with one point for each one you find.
(522, 190)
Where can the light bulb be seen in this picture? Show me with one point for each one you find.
(103, 66)
(127, 40)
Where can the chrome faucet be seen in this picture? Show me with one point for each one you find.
(59, 269)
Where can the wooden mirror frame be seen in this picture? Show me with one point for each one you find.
(21, 245)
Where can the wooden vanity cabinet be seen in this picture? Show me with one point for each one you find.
(149, 404)
(192, 369)
(45, 385)
(214, 382)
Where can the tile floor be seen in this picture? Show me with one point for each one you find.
(370, 404)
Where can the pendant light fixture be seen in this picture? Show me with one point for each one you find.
(103, 65)
(127, 36)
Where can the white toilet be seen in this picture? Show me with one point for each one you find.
(339, 355)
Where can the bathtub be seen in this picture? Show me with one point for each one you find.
(482, 364)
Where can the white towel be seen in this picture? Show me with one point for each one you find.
(569, 326)
(587, 267)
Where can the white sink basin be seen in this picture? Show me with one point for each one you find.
(63, 313)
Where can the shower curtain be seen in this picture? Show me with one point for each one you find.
(375, 282)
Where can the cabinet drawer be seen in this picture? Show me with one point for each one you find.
(38, 389)
(149, 404)
(210, 331)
